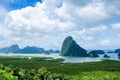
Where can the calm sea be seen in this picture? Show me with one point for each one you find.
(113, 56)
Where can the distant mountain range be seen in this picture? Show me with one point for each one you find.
(28, 49)
(33, 49)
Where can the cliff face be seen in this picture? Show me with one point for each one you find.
(71, 48)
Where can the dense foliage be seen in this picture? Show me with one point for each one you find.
(57, 66)
(7, 73)
(23, 68)
(99, 75)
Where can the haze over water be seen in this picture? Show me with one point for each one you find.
(113, 56)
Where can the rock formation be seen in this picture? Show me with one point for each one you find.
(71, 48)
(93, 54)
(106, 56)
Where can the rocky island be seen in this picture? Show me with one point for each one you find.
(71, 48)
(93, 54)
(117, 51)
(106, 56)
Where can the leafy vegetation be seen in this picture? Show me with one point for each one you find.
(7, 73)
(40, 68)
(99, 75)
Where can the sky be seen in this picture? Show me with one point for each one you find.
(93, 24)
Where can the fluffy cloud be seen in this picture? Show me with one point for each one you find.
(48, 18)
(93, 14)
(88, 13)
(48, 23)
(105, 42)
(36, 20)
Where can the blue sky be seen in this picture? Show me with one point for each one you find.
(17, 4)
(94, 24)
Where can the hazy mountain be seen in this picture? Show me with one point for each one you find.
(99, 51)
(28, 49)
(11, 49)
(31, 49)
(117, 51)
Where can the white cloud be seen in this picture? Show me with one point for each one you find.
(100, 28)
(89, 13)
(105, 42)
(93, 13)
(47, 18)
(78, 3)
(36, 20)
(3, 13)
(47, 25)
(116, 26)
(4, 33)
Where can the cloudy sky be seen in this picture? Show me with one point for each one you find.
(94, 24)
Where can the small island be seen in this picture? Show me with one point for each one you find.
(93, 54)
(106, 56)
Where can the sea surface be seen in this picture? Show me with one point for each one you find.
(113, 56)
